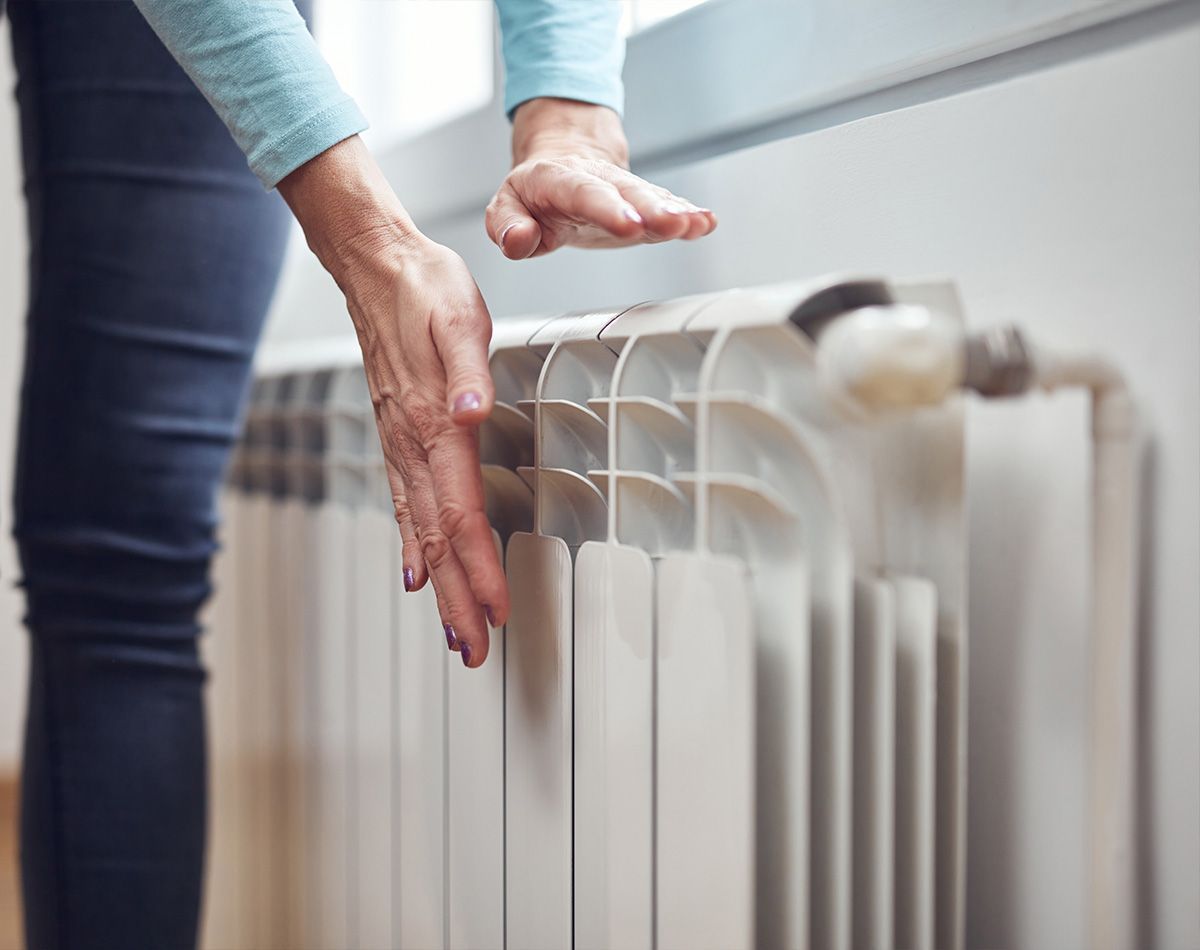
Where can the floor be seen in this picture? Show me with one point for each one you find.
(9, 921)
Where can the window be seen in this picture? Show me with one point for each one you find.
(410, 66)
(639, 14)
(414, 65)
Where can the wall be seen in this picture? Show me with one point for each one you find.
(1058, 186)
(12, 319)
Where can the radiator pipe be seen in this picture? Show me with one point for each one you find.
(891, 357)
(1116, 529)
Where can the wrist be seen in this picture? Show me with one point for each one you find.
(548, 128)
(350, 215)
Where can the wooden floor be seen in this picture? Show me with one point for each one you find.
(9, 920)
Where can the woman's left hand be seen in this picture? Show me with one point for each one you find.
(570, 186)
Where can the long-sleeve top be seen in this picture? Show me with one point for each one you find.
(256, 62)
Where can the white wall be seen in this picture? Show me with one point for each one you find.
(1066, 198)
(12, 321)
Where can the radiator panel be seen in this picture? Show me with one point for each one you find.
(537, 698)
(373, 639)
(475, 798)
(727, 709)
(221, 912)
(259, 908)
(705, 751)
(419, 849)
(613, 747)
(329, 606)
(916, 737)
(874, 764)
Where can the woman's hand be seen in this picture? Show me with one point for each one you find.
(424, 328)
(424, 331)
(570, 185)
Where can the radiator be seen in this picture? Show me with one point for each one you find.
(727, 709)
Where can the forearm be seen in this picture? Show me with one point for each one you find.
(255, 61)
(346, 206)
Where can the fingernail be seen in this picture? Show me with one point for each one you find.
(451, 639)
(671, 208)
(631, 214)
(491, 616)
(466, 654)
(410, 580)
(504, 234)
(467, 402)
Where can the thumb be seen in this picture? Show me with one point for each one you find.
(510, 225)
(462, 346)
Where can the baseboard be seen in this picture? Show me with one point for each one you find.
(10, 914)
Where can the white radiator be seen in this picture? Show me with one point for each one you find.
(727, 710)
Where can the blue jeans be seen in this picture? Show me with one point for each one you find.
(154, 254)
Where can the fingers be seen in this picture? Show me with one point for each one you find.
(458, 487)
(412, 563)
(444, 497)
(549, 203)
(462, 616)
(510, 225)
(412, 568)
(462, 346)
(667, 216)
(590, 200)
(434, 534)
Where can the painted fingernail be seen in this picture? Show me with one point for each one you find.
(466, 654)
(504, 234)
(410, 579)
(672, 208)
(631, 214)
(491, 616)
(451, 639)
(467, 402)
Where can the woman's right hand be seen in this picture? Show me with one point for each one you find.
(424, 331)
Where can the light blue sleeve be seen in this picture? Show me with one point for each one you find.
(570, 49)
(256, 62)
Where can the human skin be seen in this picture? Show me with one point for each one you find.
(424, 328)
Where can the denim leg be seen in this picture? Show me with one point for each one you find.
(154, 253)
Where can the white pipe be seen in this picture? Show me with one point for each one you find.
(1112, 747)
(893, 357)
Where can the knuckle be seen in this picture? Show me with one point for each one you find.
(424, 420)
(435, 548)
(408, 449)
(543, 167)
(467, 324)
(592, 190)
(412, 553)
(457, 521)
(382, 398)
(402, 511)
(599, 167)
(411, 402)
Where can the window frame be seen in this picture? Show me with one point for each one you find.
(675, 112)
